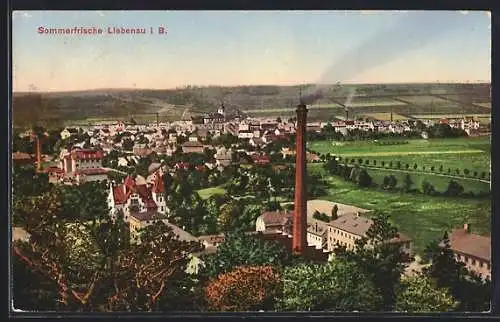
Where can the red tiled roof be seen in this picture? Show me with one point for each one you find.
(90, 172)
(21, 156)
(471, 244)
(272, 218)
(158, 185)
(119, 195)
(87, 154)
(148, 215)
(54, 170)
(122, 192)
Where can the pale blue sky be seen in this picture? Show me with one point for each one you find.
(242, 48)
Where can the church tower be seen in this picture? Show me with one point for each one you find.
(222, 110)
(159, 195)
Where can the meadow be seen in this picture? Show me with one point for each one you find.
(473, 154)
(208, 192)
(427, 100)
(441, 116)
(421, 217)
(385, 116)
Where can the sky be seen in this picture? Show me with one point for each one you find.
(247, 48)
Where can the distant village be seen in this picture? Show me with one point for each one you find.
(142, 200)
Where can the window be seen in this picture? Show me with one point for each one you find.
(473, 262)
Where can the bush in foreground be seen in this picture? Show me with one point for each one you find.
(247, 288)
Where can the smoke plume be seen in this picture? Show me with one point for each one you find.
(411, 31)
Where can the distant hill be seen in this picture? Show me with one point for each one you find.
(269, 100)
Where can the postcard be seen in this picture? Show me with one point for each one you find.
(251, 161)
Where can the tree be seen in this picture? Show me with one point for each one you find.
(246, 288)
(335, 210)
(228, 215)
(239, 249)
(321, 216)
(415, 166)
(95, 275)
(382, 260)
(454, 189)
(127, 144)
(441, 168)
(334, 286)
(427, 188)
(466, 172)
(364, 179)
(447, 272)
(407, 182)
(421, 294)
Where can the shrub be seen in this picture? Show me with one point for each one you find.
(427, 188)
(334, 286)
(247, 288)
(454, 189)
(466, 172)
(415, 166)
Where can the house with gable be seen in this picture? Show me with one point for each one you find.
(135, 196)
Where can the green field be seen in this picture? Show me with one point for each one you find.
(355, 103)
(418, 146)
(427, 100)
(386, 116)
(208, 192)
(423, 218)
(473, 154)
(444, 116)
(440, 183)
(477, 161)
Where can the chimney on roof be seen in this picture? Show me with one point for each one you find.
(467, 227)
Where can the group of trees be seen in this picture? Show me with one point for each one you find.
(81, 261)
(360, 176)
(356, 174)
(396, 164)
(238, 277)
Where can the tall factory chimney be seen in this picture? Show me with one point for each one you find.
(300, 214)
(346, 114)
(38, 154)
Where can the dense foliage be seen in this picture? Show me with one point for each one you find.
(335, 286)
(239, 249)
(246, 288)
(421, 294)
